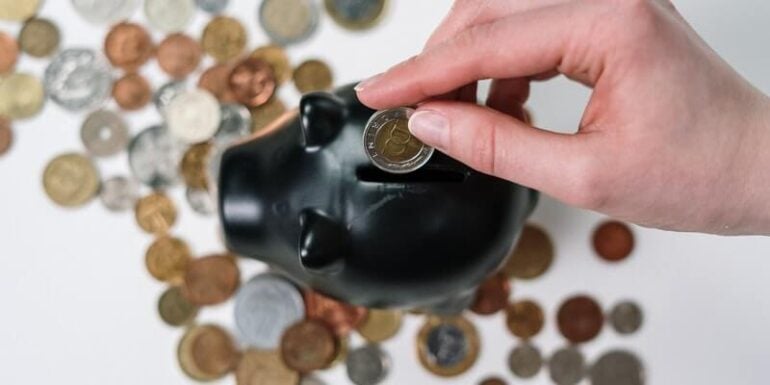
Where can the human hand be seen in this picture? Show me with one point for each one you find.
(672, 136)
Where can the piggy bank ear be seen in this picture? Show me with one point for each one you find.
(323, 116)
(324, 243)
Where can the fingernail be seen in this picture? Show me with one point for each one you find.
(431, 127)
(367, 83)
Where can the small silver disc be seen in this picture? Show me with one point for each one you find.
(201, 201)
(289, 21)
(525, 361)
(154, 157)
(235, 124)
(169, 15)
(567, 366)
(119, 193)
(105, 11)
(78, 79)
(166, 93)
(265, 307)
(617, 367)
(367, 365)
(193, 116)
(389, 144)
(104, 133)
(626, 317)
(212, 6)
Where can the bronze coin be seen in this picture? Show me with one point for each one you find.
(128, 46)
(308, 345)
(224, 38)
(524, 319)
(211, 280)
(207, 352)
(580, 319)
(132, 92)
(613, 241)
(216, 80)
(167, 259)
(493, 381)
(492, 295)
(252, 81)
(174, 309)
(6, 135)
(532, 255)
(340, 317)
(313, 75)
(155, 213)
(39, 37)
(9, 52)
(260, 367)
(179, 55)
(194, 167)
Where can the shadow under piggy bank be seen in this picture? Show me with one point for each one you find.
(304, 197)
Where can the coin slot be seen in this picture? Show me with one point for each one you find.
(424, 175)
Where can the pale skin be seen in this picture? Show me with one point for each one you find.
(672, 136)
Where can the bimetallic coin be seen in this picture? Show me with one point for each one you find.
(174, 309)
(193, 116)
(617, 367)
(194, 165)
(207, 353)
(155, 213)
(447, 346)
(533, 254)
(211, 280)
(234, 125)
(224, 38)
(567, 366)
(128, 46)
(626, 317)
(167, 259)
(71, 180)
(201, 201)
(104, 133)
(179, 55)
(9, 52)
(313, 75)
(105, 11)
(263, 367)
(493, 381)
(18, 10)
(166, 93)
(265, 307)
(78, 79)
(356, 14)
(308, 345)
(492, 295)
(266, 114)
(39, 37)
(341, 317)
(524, 319)
(132, 92)
(169, 15)
(119, 193)
(289, 21)
(6, 135)
(613, 241)
(389, 144)
(278, 60)
(368, 365)
(380, 325)
(154, 157)
(212, 6)
(21, 96)
(216, 80)
(252, 81)
(525, 361)
(580, 319)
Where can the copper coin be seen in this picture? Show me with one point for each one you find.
(308, 345)
(532, 255)
(580, 319)
(492, 295)
(613, 241)
(167, 259)
(6, 135)
(252, 81)
(39, 37)
(216, 79)
(155, 213)
(207, 352)
(493, 381)
(524, 319)
(128, 46)
(194, 165)
(341, 317)
(179, 55)
(211, 280)
(9, 52)
(132, 92)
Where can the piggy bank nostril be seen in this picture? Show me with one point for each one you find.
(426, 174)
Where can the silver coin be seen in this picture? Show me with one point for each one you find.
(567, 366)
(78, 79)
(104, 133)
(201, 201)
(289, 21)
(265, 307)
(390, 145)
(212, 6)
(626, 317)
(193, 116)
(525, 361)
(368, 365)
(447, 345)
(311, 380)
(235, 124)
(169, 15)
(105, 11)
(215, 160)
(154, 157)
(166, 93)
(119, 193)
(617, 367)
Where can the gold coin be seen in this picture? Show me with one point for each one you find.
(356, 15)
(175, 309)
(277, 59)
(167, 259)
(21, 96)
(71, 180)
(194, 167)
(39, 37)
(447, 346)
(207, 353)
(211, 280)
(342, 349)
(262, 116)
(524, 319)
(18, 10)
(313, 75)
(396, 143)
(532, 256)
(155, 213)
(264, 368)
(224, 38)
(380, 325)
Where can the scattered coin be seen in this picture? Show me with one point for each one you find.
(154, 157)
(308, 345)
(39, 37)
(390, 145)
(9, 52)
(211, 280)
(166, 93)
(524, 319)
(313, 75)
(104, 133)
(6, 135)
(128, 46)
(234, 126)
(71, 180)
(532, 255)
(264, 115)
(278, 60)
(212, 6)
(617, 367)
(119, 193)
(105, 11)
(613, 241)
(380, 325)
(525, 361)
(356, 14)
(626, 317)
(194, 164)
(492, 295)
(155, 213)
(18, 10)
(224, 38)
(567, 366)
(493, 381)
(311, 380)
(193, 116)
(175, 309)
(216, 79)
(342, 349)
(169, 15)
(252, 82)
(21, 96)
(207, 353)
(201, 201)
(289, 21)
(368, 365)
(341, 317)
(447, 346)
(179, 55)
(132, 92)
(263, 367)
(264, 307)
(167, 259)
(78, 79)
(580, 319)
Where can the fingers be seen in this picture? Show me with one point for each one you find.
(508, 96)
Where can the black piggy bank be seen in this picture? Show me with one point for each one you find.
(303, 196)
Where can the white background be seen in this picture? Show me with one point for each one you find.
(79, 308)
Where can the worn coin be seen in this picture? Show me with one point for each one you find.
(132, 92)
(71, 180)
(626, 317)
(21, 96)
(390, 145)
(215, 79)
(224, 38)
(235, 124)
(169, 15)
(105, 11)
(154, 157)
(201, 201)
(78, 79)
(580, 319)
(6, 135)
(211, 280)
(356, 14)
(264, 367)
(492, 295)
(194, 165)
(119, 193)
(613, 241)
(524, 319)
(380, 324)
(264, 115)
(252, 81)
(166, 93)
(567, 366)
(128, 46)
(104, 133)
(9, 53)
(308, 345)
(618, 367)
(341, 317)
(18, 10)
(264, 307)
(525, 360)
(368, 365)
(155, 213)
(212, 6)
(193, 116)
(39, 37)
(313, 75)
(179, 55)
(447, 346)
(167, 259)
(289, 21)
(174, 309)
(207, 352)
(278, 60)
(493, 381)
(533, 254)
